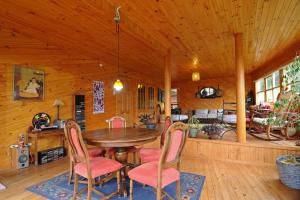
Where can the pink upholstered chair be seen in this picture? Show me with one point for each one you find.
(153, 154)
(93, 152)
(167, 169)
(116, 122)
(119, 122)
(86, 166)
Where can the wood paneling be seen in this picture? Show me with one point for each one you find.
(66, 74)
(186, 93)
(202, 29)
(250, 153)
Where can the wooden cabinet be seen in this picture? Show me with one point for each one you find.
(79, 110)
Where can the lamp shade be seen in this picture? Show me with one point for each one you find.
(118, 85)
(58, 102)
(195, 76)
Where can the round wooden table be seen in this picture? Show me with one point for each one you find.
(120, 139)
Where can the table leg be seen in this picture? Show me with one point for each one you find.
(121, 156)
(36, 151)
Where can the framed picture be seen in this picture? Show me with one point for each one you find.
(28, 83)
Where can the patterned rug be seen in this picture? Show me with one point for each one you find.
(57, 188)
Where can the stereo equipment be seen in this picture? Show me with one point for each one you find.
(20, 156)
(50, 155)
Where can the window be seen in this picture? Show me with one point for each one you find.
(141, 97)
(260, 91)
(268, 88)
(151, 97)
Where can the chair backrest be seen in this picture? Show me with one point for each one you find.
(116, 122)
(175, 138)
(166, 126)
(77, 146)
(287, 100)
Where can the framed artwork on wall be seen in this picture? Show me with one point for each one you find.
(28, 84)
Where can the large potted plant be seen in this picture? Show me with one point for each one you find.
(193, 124)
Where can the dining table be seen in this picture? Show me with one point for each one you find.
(121, 139)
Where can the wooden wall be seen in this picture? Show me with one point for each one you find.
(187, 90)
(65, 75)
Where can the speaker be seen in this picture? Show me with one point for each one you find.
(21, 157)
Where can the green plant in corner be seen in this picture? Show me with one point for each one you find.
(291, 78)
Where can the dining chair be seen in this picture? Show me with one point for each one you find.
(93, 152)
(159, 174)
(153, 154)
(86, 166)
(119, 122)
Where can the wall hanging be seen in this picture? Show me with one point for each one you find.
(98, 97)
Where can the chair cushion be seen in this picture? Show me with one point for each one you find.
(212, 116)
(147, 174)
(258, 120)
(99, 166)
(213, 111)
(200, 116)
(96, 151)
(149, 154)
(229, 119)
(201, 111)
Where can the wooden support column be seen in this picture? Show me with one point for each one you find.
(168, 63)
(240, 88)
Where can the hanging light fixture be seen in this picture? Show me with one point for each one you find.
(118, 85)
(195, 76)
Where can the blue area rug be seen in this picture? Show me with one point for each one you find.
(57, 188)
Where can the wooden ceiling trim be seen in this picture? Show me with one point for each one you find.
(278, 61)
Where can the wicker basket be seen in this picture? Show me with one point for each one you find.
(289, 173)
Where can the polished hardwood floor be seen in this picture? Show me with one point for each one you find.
(224, 180)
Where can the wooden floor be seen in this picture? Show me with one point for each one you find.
(224, 180)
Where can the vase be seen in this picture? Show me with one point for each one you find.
(150, 126)
(193, 132)
(291, 131)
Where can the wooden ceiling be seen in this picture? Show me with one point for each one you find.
(193, 29)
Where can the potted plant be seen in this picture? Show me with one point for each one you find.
(214, 131)
(289, 170)
(147, 120)
(193, 124)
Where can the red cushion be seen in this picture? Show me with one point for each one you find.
(95, 151)
(99, 166)
(150, 154)
(147, 174)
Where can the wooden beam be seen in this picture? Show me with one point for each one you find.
(240, 88)
(168, 63)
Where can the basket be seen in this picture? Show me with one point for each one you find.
(289, 173)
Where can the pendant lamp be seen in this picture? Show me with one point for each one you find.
(195, 76)
(118, 85)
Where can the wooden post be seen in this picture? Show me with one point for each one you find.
(240, 88)
(168, 63)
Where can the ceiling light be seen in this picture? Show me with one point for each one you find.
(195, 76)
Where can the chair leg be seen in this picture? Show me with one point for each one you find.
(268, 130)
(90, 187)
(178, 190)
(134, 157)
(131, 190)
(118, 181)
(158, 193)
(75, 186)
(71, 172)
